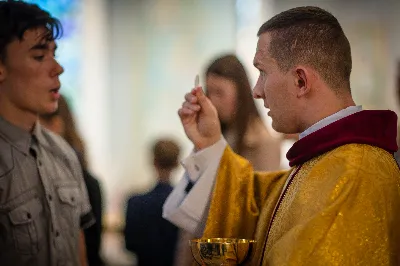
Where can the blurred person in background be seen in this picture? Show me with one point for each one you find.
(147, 234)
(228, 88)
(62, 123)
(43, 200)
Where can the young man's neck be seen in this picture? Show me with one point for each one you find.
(19, 118)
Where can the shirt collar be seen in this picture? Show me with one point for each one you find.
(18, 137)
(330, 119)
(38, 133)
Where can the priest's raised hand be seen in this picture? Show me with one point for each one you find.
(200, 119)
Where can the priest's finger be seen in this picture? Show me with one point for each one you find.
(185, 112)
(190, 97)
(193, 107)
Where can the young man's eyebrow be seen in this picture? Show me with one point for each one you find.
(42, 46)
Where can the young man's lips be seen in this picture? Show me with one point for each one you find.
(55, 93)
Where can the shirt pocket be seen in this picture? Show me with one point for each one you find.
(25, 226)
(70, 199)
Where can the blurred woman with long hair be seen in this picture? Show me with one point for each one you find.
(228, 88)
(62, 123)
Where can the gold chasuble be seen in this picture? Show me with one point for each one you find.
(338, 205)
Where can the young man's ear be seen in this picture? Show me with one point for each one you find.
(2, 71)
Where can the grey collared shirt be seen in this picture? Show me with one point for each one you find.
(43, 199)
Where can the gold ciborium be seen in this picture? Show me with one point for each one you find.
(221, 251)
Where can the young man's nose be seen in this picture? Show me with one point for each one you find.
(58, 69)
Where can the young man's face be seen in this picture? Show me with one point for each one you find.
(29, 75)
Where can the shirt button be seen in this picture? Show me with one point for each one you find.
(40, 162)
(28, 215)
(196, 167)
(50, 197)
(57, 234)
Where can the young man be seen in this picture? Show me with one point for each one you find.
(147, 234)
(43, 201)
(340, 203)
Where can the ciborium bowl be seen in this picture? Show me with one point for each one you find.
(221, 251)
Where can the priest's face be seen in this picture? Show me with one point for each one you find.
(277, 89)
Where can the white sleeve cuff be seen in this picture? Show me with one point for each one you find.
(187, 211)
(172, 211)
(197, 162)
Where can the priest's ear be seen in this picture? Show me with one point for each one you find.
(303, 80)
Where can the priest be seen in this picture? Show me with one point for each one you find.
(339, 204)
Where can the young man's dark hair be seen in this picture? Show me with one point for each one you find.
(16, 17)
